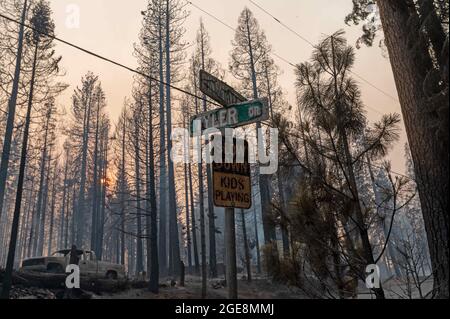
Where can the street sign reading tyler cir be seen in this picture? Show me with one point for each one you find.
(231, 181)
(234, 115)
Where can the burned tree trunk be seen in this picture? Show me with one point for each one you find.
(426, 123)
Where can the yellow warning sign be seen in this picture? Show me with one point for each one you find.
(232, 190)
(232, 183)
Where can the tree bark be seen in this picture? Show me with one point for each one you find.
(122, 195)
(426, 124)
(162, 176)
(7, 280)
(64, 201)
(174, 246)
(248, 263)
(41, 237)
(268, 227)
(152, 218)
(95, 186)
(103, 190)
(258, 253)
(34, 234)
(80, 204)
(201, 200)
(211, 214)
(4, 163)
(193, 222)
(137, 167)
(52, 210)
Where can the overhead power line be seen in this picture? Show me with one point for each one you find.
(312, 45)
(287, 61)
(121, 65)
(211, 15)
(106, 59)
(284, 59)
(233, 29)
(282, 23)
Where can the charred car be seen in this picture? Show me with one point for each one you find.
(88, 263)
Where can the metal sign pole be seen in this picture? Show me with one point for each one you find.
(230, 244)
(230, 249)
(236, 112)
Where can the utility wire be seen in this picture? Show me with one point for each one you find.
(283, 24)
(354, 73)
(312, 45)
(390, 171)
(134, 70)
(106, 59)
(211, 15)
(285, 60)
(233, 29)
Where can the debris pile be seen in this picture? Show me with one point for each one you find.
(219, 284)
(31, 293)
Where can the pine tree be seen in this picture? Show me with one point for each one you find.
(12, 110)
(332, 100)
(42, 23)
(416, 37)
(205, 62)
(248, 64)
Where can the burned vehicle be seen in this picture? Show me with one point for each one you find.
(88, 263)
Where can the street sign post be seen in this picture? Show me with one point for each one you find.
(232, 181)
(230, 254)
(233, 116)
(218, 90)
(232, 189)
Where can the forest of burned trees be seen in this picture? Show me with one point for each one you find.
(70, 175)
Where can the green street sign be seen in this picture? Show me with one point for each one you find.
(233, 116)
